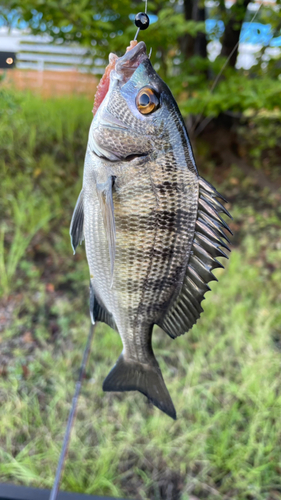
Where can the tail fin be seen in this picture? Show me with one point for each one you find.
(132, 376)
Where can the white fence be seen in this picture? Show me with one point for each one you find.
(39, 53)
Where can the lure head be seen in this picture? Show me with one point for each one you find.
(138, 114)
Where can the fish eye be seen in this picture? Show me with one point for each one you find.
(147, 100)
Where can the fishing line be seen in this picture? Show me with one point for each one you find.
(72, 413)
(208, 119)
(142, 21)
(233, 50)
(71, 417)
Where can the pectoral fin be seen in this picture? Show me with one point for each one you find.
(76, 230)
(105, 195)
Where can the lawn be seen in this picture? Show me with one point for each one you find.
(224, 375)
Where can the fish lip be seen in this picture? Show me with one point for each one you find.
(126, 65)
(128, 159)
(135, 156)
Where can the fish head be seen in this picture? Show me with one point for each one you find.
(138, 114)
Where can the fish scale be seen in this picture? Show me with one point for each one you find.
(151, 224)
(153, 230)
(154, 236)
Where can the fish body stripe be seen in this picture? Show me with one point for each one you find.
(154, 232)
(168, 220)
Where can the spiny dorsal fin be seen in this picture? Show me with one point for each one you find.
(209, 229)
(76, 230)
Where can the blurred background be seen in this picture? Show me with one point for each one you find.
(222, 61)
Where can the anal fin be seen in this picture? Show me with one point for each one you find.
(98, 312)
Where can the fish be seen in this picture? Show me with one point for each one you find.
(153, 228)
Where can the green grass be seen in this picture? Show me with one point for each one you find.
(224, 375)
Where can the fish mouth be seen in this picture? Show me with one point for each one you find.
(119, 71)
(136, 156)
(111, 157)
(126, 65)
(120, 67)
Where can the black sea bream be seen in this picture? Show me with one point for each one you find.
(150, 223)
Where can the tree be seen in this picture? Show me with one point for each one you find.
(190, 45)
(233, 24)
(178, 41)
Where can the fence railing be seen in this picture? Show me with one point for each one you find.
(41, 53)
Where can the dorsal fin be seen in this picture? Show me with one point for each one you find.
(186, 308)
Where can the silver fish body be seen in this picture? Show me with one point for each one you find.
(150, 223)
